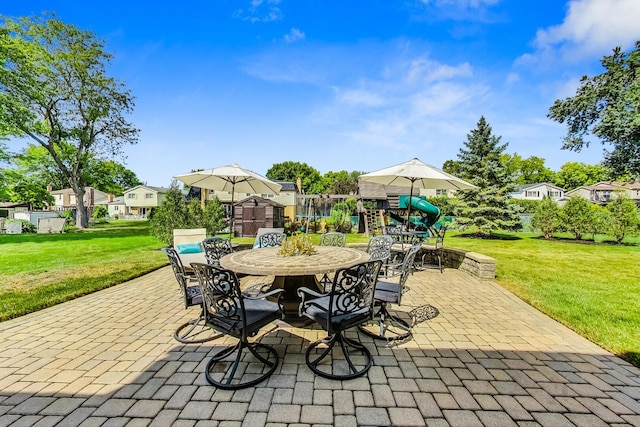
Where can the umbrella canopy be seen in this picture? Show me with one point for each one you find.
(233, 178)
(418, 174)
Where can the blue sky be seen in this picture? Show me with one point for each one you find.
(353, 85)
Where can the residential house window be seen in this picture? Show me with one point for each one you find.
(148, 195)
(533, 194)
(554, 193)
(131, 196)
(441, 192)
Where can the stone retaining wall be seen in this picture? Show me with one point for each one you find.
(478, 265)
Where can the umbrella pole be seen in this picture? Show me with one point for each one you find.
(233, 185)
(409, 209)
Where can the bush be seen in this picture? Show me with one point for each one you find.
(546, 217)
(100, 212)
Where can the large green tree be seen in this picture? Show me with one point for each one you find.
(531, 170)
(310, 177)
(54, 89)
(575, 174)
(486, 208)
(608, 107)
(341, 182)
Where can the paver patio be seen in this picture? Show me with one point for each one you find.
(488, 359)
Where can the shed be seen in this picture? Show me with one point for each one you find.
(253, 213)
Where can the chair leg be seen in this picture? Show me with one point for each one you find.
(233, 374)
(195, 331)
(354, 368)
(386, 326)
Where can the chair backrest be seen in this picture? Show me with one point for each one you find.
(215, 248)
(268, 240)
(379, 247)
(178, 271)
(407, 267)
(222, 299)
(263, 230)
(188, 235)
(333, 238)
(439, 235)
(351, 297)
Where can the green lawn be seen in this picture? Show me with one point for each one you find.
(592, 288)
(40, 270)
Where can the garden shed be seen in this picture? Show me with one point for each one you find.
(256, 212)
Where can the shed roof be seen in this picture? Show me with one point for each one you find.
(259, 200)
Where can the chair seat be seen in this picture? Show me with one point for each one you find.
(259, 313)
(318, 310)
(387, 291)
(194, 296)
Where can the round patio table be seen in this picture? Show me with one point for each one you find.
(292, 272)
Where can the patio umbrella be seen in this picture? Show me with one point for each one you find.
(418, 174)
(233, 178)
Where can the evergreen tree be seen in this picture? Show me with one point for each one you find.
(172, 213)
(486, 208)
(576, 216)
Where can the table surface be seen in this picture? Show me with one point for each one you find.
(266, 261)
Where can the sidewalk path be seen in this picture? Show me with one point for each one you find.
(487, 359)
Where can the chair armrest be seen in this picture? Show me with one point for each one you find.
(268, 294)
(302, 293)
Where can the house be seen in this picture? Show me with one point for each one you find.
(139, 200)
(538, 191)
(116, 206)
(602, 192)
(65, 199)
(9, 209)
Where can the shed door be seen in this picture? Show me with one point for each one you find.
(253, 217)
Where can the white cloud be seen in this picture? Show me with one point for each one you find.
(423, 69)
(590, 28)
(294, 35)
(359, 97)
(260, 11)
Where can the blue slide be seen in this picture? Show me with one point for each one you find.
(430, 213)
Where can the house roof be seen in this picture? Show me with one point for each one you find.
(13, 205)
(259, 200)
(373, 191)
(117, 201)
(525, 187)
(287, 186)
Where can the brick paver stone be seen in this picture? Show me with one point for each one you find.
(487, 359)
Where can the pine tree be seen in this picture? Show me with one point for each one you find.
(486, 208)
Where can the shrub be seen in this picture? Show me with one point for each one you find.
(546, 217)
(577, 216)
(100, 211)
(624, 217)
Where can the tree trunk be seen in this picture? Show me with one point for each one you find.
(82, 215)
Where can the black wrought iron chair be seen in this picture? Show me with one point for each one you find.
(229, 311)
(195, 330)
(384, 324)
(433, 256)
(331, 238)
(347, 305)
(268, 240)
(215, 248)
(379, 247)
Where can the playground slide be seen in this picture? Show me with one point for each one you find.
(431, 212)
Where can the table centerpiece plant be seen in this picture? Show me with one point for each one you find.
(298, 244)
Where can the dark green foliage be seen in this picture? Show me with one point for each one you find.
(310, 178)
(526, 206)
(546, 217)
(100, 211)
(447, 205)
(607, 106)
(487, 208)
